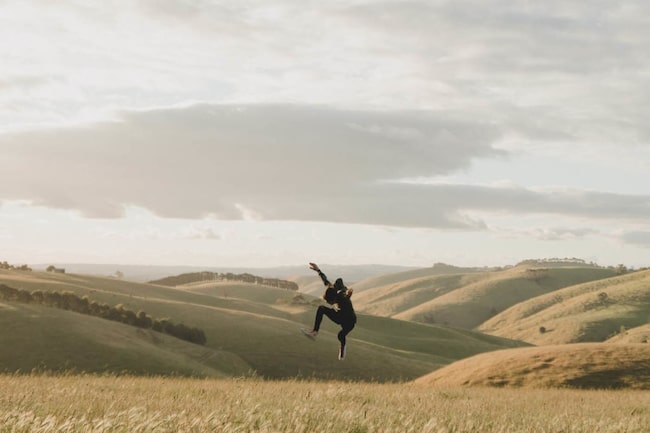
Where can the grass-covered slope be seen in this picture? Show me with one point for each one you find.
(639, 334)
(395, 298)
(309, 284)
(34, 337)
(256, 326)
(588, 312)
(466, 300)
(587, 365)
(399, 277)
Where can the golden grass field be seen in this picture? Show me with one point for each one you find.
(95, 404)
(583, 365)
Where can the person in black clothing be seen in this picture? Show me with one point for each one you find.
(339, 295)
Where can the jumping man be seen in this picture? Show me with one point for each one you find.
(343, 315)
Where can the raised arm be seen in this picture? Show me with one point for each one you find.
(314, 267)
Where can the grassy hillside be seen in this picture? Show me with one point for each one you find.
(593, 311)
(89, 404)
(639, 334)
(309, 284)
(398, 277)
(587, 365)
(466, 300)
(35, 337)
(395, 298)
(257, 326)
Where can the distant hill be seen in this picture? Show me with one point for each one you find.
(309, 284)
(463, 297)
(586, 366)
(405, 275)
(248, 327)
(143, 273)
(197, 277)
(592, 311)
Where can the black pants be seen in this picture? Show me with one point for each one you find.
(346, 323)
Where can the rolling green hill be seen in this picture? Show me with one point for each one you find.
(593, 311)
(248, 327)
(35, 337)
(585, 365)
(467, 299)
(398, 277)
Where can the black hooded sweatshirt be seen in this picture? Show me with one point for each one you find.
(335, 294)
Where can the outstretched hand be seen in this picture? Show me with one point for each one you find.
(314, 267)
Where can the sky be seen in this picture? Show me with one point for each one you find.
(277, 132)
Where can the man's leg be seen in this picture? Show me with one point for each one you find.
(346, 328)
(329, 312)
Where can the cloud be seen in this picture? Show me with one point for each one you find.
(280, 162)
(226, 161)
(554, 72)
(23, 82)
(200, 233)
(560, 233)
(557, 72)
(158, 232)
(640, 238)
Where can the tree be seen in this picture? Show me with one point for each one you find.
(7, 292)
(38, 297)
(129, 317)
(24, 296)
(143, 321)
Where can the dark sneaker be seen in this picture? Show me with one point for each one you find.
(342, 352)
(311, 334)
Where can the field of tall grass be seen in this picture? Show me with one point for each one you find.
(134, 404)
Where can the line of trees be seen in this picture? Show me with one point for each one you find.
(5, 265)
(195, 277)
(557, 261)
(118, 313)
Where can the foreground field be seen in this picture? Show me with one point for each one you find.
(127, 404)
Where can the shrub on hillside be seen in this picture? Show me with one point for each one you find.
(5, 265)
(118, 313)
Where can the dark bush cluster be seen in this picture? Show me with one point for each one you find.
(195, 277)
(118, 313)
(5, 265)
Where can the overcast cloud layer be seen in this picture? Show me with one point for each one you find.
(435, 114)
(279, 162)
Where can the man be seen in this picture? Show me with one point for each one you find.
(343, 315)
